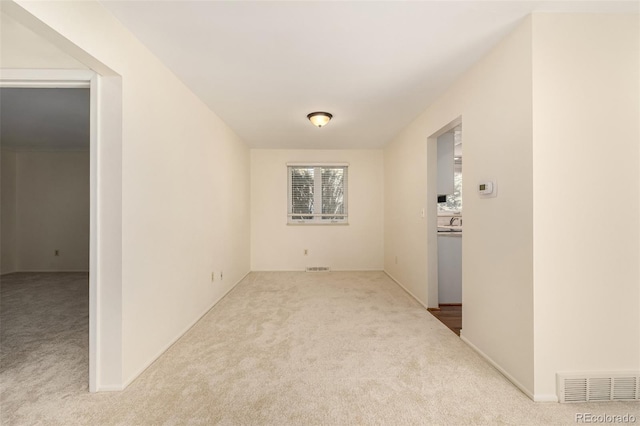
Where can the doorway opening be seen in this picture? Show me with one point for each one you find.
(45, 154)
(446, 226)
(105, 354)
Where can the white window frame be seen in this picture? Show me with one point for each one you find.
(318, 218)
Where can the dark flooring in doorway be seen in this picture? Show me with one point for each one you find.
(449, 315)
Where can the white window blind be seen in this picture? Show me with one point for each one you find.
(317, 194)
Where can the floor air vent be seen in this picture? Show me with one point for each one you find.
(318, 269)
(598, 387)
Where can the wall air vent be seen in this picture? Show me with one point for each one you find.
(318, 269)
(584, 387)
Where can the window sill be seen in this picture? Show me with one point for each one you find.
(317, 224)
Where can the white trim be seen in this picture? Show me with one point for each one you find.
(545, 398)
(406, 289)
(499, 368)
(316, 223)
(153, 359)
(328, 272)
(447, 127)
(307, 164)
(111, 388)
(36, 78)
(45, 78)
(94, 284)
(48, 84)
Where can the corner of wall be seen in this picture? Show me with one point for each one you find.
(586, 104)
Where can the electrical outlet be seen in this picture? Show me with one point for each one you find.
(213, 276)
(56, 252)
(220, 275)
(306, 252)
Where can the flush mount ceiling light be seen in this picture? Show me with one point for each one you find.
(319, 118)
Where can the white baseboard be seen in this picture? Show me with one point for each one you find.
(545, 398)
(304, 270)
(502, 370)
(109, 388)
(172, 342)
(406, 289)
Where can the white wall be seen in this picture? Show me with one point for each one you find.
(494, 100)
(52, 210)
(33, 51)
(586, 142)
(548, 284)
(45, 207)
(278, 246)
(181, 218)
(25, 45)
(8, 211)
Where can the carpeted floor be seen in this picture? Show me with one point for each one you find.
(283, 348)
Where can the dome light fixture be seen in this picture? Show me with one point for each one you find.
(319, 118)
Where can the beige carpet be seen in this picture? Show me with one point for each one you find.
(282, 348)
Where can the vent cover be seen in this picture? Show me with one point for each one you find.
(318, 269)
(576, 387)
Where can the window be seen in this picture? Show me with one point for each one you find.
(454, 201)
(317, 194)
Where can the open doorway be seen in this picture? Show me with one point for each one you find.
(105, 235)
(45, 154)
(445, 234)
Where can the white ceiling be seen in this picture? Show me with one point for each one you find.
(44, 119)
(262, 66)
